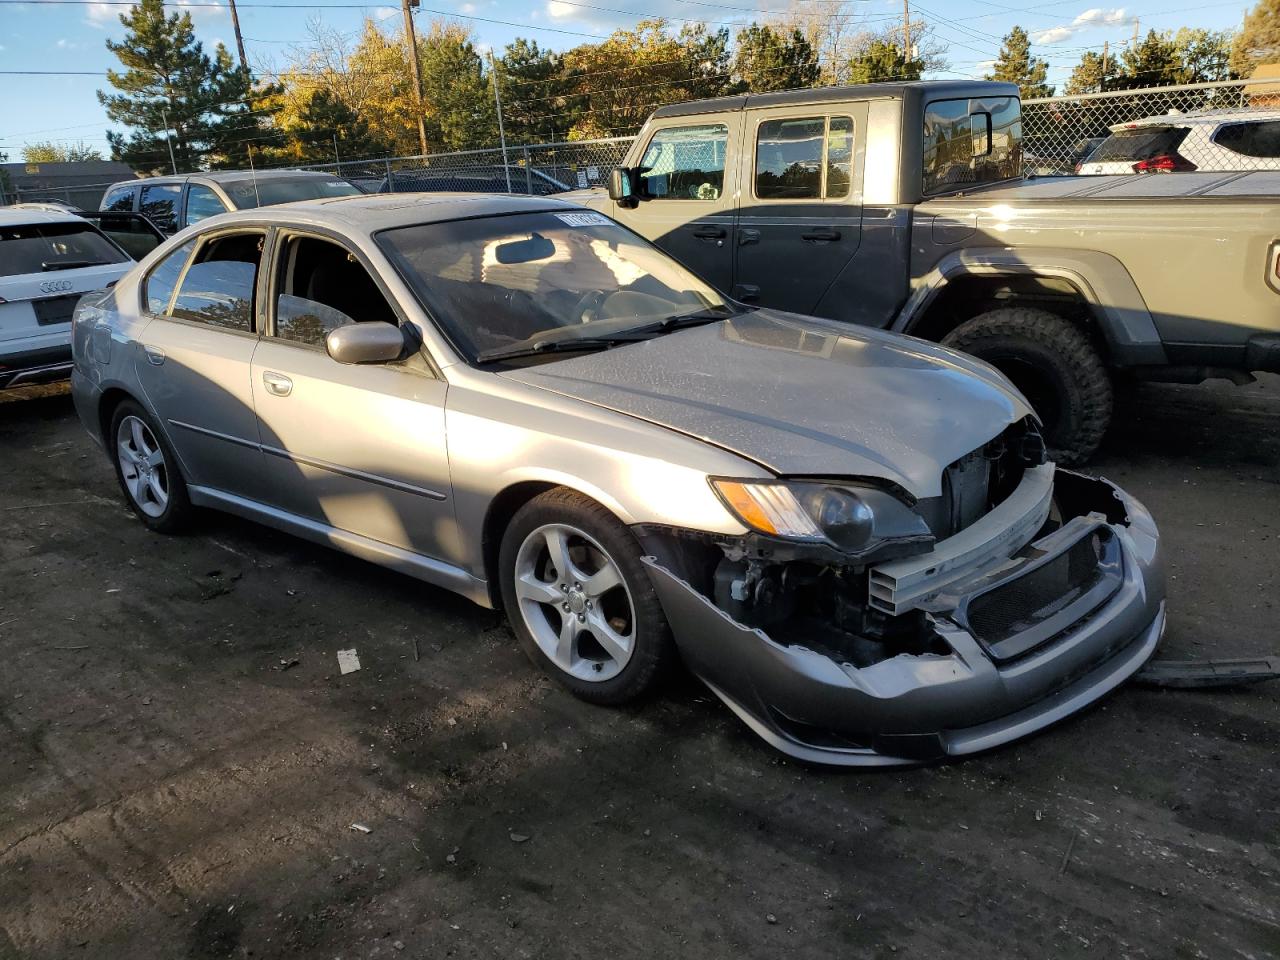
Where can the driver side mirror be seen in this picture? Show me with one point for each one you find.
(374, 342)
(624, 186)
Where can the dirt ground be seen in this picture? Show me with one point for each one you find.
(181, 764)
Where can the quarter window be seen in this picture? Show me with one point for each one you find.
(686, 163)
(160, 203)
(201, 203)
(971, 141)
(804, 158)
(1260, 139)
(119, 200)
(322, 286)
(162, 280)
(218, 287)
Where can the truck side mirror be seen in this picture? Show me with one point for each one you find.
(622, 186)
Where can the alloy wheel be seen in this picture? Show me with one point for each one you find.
(575, 602)
(142, 465)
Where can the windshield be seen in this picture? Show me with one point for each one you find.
(533, 279)
(35, 248)
(1139, 143)
(272, 190)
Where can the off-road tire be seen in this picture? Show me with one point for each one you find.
(653, 654)
(1054, 364)
(179, 512)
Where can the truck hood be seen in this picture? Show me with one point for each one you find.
(802, 397)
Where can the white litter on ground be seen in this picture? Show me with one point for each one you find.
(348, 661)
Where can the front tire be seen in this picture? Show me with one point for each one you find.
(580, 601)
(148, 471)
(1055, 366)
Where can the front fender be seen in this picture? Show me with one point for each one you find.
(1101, 279)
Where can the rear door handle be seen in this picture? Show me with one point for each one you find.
(277, 384)
(821, 235)
(710, 233)
(747, 236)
(155, 356)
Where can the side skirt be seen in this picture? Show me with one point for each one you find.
(384, 554)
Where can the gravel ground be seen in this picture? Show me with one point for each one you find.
(183, 766)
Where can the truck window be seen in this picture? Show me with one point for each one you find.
(956, 150)
(686, 163)
(119, 200)
(804, 158)
(201, 203)
(160, 203)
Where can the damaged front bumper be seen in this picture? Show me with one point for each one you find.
(1003, 674)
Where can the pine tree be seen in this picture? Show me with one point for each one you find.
(1016, 65)
(768, 58)
(1258, 41)
(883, 61)
(1088, 76)
(1154, 62)
(327, 126)
(171, 90)
(457, 93)
(534, 92)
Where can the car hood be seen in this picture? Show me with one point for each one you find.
(802, 397)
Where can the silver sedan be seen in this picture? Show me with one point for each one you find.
(853, 538)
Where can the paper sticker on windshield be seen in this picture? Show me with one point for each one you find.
(583, 219)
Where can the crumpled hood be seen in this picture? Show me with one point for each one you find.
(802, 397)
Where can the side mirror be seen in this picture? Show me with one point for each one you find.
(622, 186)
(374, 342)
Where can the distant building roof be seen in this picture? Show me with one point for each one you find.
(49, 176)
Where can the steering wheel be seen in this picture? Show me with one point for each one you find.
(591, 301)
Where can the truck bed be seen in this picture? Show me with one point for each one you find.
(1137, 186)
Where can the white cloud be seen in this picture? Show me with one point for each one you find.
(102, 15)
(467, 8)
(385, 13)
(1093, 17)
(557, 10)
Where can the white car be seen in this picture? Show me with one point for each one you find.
(48, 261)
(1218, 141)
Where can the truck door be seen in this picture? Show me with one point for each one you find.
(693, 191)
(800, 214)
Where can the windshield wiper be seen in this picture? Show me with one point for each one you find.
(70, 264)
(542, 347)
(682, 320)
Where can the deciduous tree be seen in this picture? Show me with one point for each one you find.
(46, 151)
(1258, 41)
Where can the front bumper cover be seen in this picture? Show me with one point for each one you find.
(917, 708)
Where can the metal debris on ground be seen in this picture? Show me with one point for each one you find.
(348, 661)
(518, 837)
(360, 828)
(1207, 674)
(288, 664)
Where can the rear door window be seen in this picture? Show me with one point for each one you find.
(1260, 139)
(686, 163)
(804, 158)
(218, 287)
(202, 203)
(119, 200)
(159, 201)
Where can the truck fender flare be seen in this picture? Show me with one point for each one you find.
(1101, 279)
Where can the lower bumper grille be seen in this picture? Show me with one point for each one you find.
(1022, 613)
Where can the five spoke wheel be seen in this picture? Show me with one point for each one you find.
(575, 602)
(142, 466)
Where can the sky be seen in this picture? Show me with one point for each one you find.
(69, 37)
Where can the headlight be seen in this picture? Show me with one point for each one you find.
(854, 519)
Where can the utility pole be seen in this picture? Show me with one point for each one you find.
(906, 30)
(1135, 31)
(335, 150)
(1102, 80)
(235, 25)
(502, 135)
(169, 140)
(417, 71)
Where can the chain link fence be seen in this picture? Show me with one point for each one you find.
(1061, 132)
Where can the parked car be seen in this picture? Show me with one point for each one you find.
(477, 179)
(173, 203)
(48, 260)
(904, 207)
(853, 537)
(1221, 140)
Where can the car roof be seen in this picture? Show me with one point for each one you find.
(938, 89)
(229, 176)
(1198, 118)
(370, 212)
(14, 217)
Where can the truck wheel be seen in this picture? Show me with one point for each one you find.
(1054, 365)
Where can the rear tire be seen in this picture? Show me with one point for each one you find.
(148, 470)
(591, 619)
(1055, 366)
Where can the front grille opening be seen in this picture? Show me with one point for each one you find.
(1028, 601)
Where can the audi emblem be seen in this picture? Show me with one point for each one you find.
(55, 286)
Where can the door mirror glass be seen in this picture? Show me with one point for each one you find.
(366, 343)
(621, 187)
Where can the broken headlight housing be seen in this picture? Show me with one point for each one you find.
(853, 518)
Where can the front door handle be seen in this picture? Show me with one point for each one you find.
(154, 355)
(277, 384)
(710, 233)
(821, 235)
